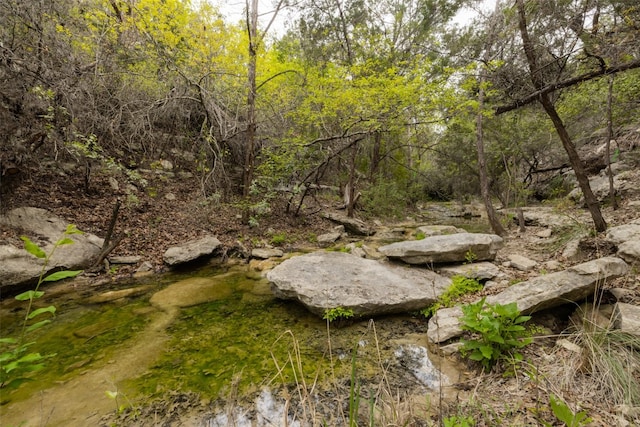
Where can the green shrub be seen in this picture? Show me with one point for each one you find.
(332, 314)
(279, 239)
(563, 413)
(497, 332)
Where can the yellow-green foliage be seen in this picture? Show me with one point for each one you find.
(460, 286)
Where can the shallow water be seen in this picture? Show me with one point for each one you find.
(215, 332)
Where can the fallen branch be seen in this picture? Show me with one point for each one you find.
(108, 245)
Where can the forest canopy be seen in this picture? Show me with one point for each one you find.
(388, 100)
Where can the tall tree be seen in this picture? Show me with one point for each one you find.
(536, 72)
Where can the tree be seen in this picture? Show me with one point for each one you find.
(538, 79)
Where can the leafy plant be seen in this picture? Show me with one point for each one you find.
(470, 257)
(16, 361)
(420, 235)
(563, 413)
(460, 286)
(333, 314)
(498, 332)
(458, 421)
(279, 239)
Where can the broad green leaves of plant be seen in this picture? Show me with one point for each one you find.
(497, 332)
(563, 413)
(17, 363)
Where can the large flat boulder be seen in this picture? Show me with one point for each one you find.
(18, 267)
(326, 280)
(542, 292)
(447, 248)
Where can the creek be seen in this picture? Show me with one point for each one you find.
(216, 333)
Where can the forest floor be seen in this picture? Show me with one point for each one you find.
(173, 210)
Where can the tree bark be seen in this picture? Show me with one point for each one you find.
(576, 163)
(610, 135)
(494, 221)
(252, 24)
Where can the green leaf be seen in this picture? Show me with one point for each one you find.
(9, 355)
(32, 248)
(487, 351)
(64, 241)
(477, 356)
(54, 277)
(111, 394)
(28, 295)
(561, 410)
(71, 229)
(37, 325)
(51, 309)
(8, 340)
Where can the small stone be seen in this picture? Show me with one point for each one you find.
(627, 318)
(145, 267)
(166, 165)
(629, 251)
(521, 263)
(266, 253)
(170, 196)
(544, 234)
(113, 183)
(552, 265)
(564, 343)
(477, 270)
(328, 238)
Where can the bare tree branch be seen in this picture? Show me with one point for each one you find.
(567, 83)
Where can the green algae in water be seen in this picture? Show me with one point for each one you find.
(215, 344)
(81, 338)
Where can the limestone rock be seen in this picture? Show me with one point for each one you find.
(351, 225)
(18, 267)
(521, 263)
(572, 250)
(550, 290)
(328, 238)
(630, 251)
(624, 233)
(266, 253)
(437, 230)
(190, 251)
(132, 259)
(445, 248)
(325, 280)
(627, 318)
(543, 217)
(478, 270)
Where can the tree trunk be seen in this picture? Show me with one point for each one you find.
(496, 226)
(252, 23)
(610, 135)
(350, 189)
(576, 164)
(567, 143)
(250, 134)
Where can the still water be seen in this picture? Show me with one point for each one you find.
(217, 333)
